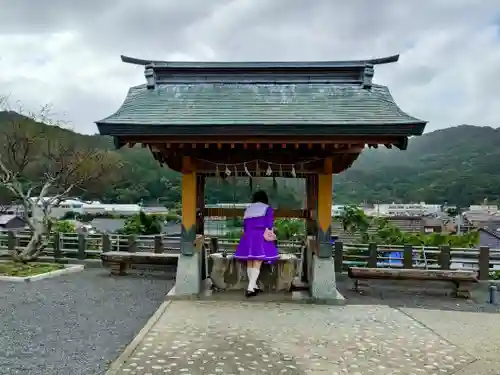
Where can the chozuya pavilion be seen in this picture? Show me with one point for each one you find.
(313, 119)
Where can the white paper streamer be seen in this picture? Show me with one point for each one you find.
(269, 171)
(246, 170)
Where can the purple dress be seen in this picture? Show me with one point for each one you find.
(253, 246)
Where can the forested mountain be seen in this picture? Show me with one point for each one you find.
(460, 165)
(140, 176)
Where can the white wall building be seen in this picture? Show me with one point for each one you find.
(96, 207)
(337, 210)
(405, 209)
(118, 209)
(487, 209)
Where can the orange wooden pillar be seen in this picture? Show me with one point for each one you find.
(189, 200)
(324, 210)
(189, 271)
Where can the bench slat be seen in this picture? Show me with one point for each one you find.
(138, 258)
(411, 274)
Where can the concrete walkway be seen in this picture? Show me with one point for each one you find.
(215, 337)
(477, 333)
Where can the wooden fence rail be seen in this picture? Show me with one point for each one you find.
(484, 260)
(82, 246)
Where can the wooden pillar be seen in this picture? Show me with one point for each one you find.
(200, 204)
(324, 210)
(189, 202)
(311, 202)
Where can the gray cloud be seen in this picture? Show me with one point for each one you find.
(67, 52)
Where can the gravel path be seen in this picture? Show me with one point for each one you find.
(75, 324)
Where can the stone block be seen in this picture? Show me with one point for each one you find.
(228, 273)
(323, 287)
(188, 278)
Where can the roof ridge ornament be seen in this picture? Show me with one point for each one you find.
(150, 75)
(368, 76)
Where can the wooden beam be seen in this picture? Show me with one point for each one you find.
(311, 202)
(306, 139)
(200, 204)
(238, 212)
(328, 166)
(188, 164)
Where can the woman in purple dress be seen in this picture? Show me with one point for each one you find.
(253, 247)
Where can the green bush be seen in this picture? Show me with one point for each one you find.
(142, 224)
(64, 226)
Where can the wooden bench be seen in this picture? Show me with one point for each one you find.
(120, 261)
(462, 280)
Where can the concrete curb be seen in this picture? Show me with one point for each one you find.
(67, 270)
(117, 363)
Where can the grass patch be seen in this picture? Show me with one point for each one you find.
(30, 269)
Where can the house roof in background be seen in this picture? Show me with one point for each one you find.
(5, 219)
(494, 233)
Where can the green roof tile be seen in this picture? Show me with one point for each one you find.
(280, 98)
(233, 104)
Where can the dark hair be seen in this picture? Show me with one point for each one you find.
(260, 196)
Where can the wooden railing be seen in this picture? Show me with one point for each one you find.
(82, 247)
(483, 259)
(229, 245)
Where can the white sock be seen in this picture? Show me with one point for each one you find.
(255, 276)
(250, 271)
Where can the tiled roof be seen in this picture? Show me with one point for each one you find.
(268, 98)
(259, 103)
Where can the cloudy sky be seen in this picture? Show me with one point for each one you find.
(67, 52)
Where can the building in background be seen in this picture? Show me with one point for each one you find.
(405, 209)
(11, 222)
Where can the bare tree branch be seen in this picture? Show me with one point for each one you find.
(41, 170)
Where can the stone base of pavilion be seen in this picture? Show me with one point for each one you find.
(226, 279)
(299, 296)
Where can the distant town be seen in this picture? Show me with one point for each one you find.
(412, 217)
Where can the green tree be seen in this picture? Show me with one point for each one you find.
(354, 220)
(64, 226)
(289, 229)
(142, 224)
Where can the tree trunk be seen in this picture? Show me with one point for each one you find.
(34, 248)
(40, 228)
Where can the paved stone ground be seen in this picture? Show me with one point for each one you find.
(75, 324)
(214, 337)
(477, 333)
(401, 297)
